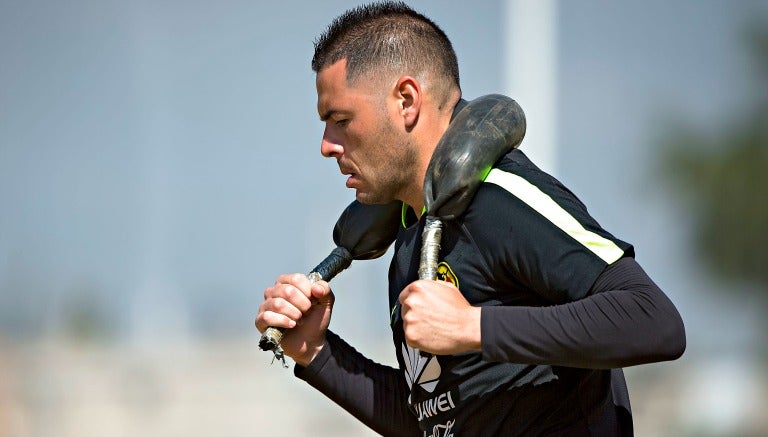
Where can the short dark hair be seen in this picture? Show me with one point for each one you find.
(385, 36)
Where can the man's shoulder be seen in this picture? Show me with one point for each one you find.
(500, 191)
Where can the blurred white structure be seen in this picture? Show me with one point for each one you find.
(530, 74)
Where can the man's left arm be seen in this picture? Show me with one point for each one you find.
(625, 320)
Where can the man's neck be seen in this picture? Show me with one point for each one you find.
(416, 199)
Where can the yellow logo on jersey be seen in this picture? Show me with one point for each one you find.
(445, 273)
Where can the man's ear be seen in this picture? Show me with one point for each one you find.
(409, 98)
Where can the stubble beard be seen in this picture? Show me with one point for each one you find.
(395, 166)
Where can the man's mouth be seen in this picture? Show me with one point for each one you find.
(352, 180)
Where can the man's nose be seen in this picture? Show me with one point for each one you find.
(329, 146)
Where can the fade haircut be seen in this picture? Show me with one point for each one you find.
(389, 38)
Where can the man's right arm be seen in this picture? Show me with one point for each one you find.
(375, 394)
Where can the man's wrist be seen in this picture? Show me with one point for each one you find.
(473, 329)
(312, 352)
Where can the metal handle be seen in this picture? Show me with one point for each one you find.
(430, 247)
(430, 252)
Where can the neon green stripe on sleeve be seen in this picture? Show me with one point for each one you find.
(530, 194)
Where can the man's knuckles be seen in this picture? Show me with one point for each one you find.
(298, 280)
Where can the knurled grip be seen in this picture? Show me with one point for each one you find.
(430, 247)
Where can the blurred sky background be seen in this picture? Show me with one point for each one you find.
(160, 166)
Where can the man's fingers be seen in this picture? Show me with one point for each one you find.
(288, 309)
(290, 294)
(321, 291)
(283, 306)
(285, 303)
(266, 319)
(280, 310)
(298, 280)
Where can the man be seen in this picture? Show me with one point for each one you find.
(537, 304)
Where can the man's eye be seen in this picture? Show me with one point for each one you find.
(342, 122)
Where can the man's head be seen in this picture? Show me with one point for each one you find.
(380, 40)
(387, 81)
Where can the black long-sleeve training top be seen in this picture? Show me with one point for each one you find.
(563, 303)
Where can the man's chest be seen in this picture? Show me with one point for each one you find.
(482, 278)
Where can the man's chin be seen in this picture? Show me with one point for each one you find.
(367, 198)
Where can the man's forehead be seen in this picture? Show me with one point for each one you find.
(333, 74)
(331, 79)
(337, 76)
(336, 94)
(331, 87)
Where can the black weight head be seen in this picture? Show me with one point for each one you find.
(367, 231)
(481, 133)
